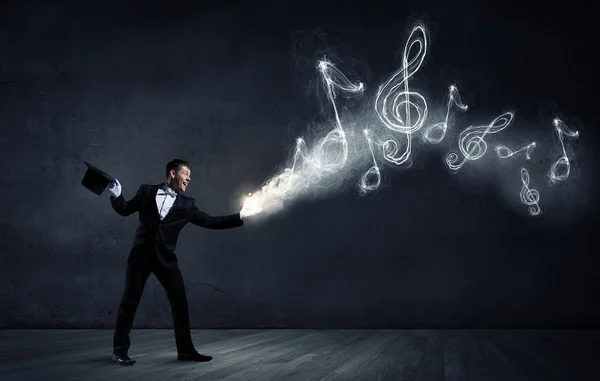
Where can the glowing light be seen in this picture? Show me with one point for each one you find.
(252, 206)
(471, 141)
(436, 133)
(311, 169)
(504, 152)
(563, 162)
(288, 180)
(530, 197)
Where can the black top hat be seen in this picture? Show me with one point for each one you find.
(95, 179)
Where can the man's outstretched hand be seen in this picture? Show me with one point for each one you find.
(115, 188)
(251, 207)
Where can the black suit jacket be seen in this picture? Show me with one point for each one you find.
(156, 237)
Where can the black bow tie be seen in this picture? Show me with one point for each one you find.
(167, 191)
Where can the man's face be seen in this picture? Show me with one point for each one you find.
(180, 179)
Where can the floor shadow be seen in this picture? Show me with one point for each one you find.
(99, 360)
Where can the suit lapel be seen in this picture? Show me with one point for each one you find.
(153, 192)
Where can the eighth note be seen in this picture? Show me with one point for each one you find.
(504, 152)
(563, 161)
(441, 127)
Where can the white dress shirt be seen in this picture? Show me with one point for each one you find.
(164, 200)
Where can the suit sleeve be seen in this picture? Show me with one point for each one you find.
(199, 218)
(125, 208)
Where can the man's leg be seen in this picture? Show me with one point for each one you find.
(172, 281)
(136, 276)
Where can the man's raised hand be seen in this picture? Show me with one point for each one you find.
(115, 188)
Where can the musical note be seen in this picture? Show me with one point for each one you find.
(563, 161)
(287, 180)
(431, 131)
(319, 169)
(366, 185)
(329, 160)
(471, 141)
(504, 152)
(395, 104)
(530, 197)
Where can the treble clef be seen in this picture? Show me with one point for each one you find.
(530, 197)
(471, 141)
(395, 104)
(399, 109)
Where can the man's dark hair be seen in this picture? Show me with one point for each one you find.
(176, 164)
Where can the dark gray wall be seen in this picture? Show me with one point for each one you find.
(229, 89)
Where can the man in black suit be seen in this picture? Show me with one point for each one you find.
(163, 211)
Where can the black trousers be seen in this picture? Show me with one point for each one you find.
(135, 279)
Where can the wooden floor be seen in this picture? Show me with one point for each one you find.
(305, 355)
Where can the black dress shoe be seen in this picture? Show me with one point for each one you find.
(122, 359)
(193, 356)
